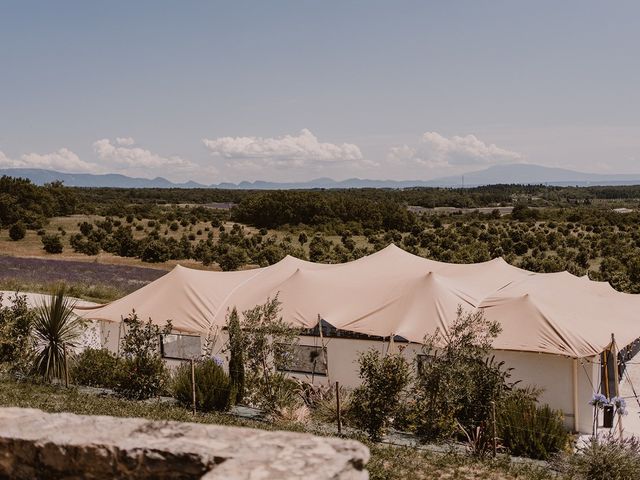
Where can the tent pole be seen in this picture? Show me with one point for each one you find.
(119, 334)
(324, 357)
(576, 421)
(616, 379)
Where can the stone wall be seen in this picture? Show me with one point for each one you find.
(38, 445)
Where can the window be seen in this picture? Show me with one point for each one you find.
(308, 359)
(180, 347)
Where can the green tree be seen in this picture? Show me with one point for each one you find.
(17, 231)
(155, 251)
(268, 343)
(232, 258)
(457, 380)
(141, 371)
(235, 348)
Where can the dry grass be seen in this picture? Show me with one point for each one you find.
(386, 463)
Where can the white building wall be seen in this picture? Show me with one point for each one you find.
(551, 373)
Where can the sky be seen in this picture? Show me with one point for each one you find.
(295, 90)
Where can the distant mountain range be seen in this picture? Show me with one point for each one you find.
(524, 174)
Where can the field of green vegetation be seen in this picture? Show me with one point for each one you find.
(550, 229)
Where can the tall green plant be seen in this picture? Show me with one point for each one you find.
(16, 342)
(268, 343)
(457, 381)
(236, 354)
(55, 327)
(141, 371)
(384, 379)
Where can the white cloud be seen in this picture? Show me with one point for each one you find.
(435, 150)
(63, 160)
(125, 141)
(121, 153)
(254, 153)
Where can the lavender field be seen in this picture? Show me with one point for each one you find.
(38, 273)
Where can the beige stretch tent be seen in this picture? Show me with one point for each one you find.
(554, 326)
(393, 292)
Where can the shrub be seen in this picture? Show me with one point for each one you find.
(17, 231)
(457, 383)
(139, 378)
(528, 429)
(95, 367)
(326, 409)
(16, 345)
(214, 391)
(52, 243)
(384, 378)
(268, 343)
(141, 372)
(605, 458)
(232, 259)
(55, 326)
(86, 246)
(155, 252)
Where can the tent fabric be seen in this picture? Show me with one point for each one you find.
(393, 292)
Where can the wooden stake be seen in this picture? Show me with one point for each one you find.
(193, 385)
(493, 428)
(338, 407)
(66, 365)
(324, 357)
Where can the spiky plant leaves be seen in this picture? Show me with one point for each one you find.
(55, 326)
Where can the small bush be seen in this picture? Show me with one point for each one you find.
(325, 410)
(141, 371)
(95, 367)
(375, 402)
(214, 391)
(16, 343)
(527, 429)
(607, 458)
(52, 244)
(155, 252)
(86, 246)
(139, 378)
(455, 386)
(17, 231)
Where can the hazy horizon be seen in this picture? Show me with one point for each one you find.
(291, 91)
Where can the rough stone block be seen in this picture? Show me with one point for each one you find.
(39, 445)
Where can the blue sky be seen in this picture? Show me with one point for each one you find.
(293, 90)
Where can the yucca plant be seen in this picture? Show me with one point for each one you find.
(55, 326)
